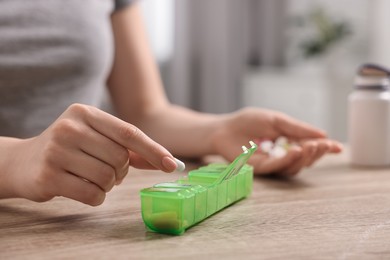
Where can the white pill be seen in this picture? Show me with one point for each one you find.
(278, 152)
(180, 165)
(266, 146)
(281, 141)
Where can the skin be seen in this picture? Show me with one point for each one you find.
(81, 156)
(86, 151)
(145, 104)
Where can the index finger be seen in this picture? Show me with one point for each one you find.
(294, 128)
(132, 138)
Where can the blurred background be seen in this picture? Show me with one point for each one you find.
(295, 56)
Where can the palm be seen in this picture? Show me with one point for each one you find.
(253, 124)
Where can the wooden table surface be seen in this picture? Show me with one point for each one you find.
(331, 211)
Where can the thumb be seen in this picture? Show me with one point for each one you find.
(136, 161)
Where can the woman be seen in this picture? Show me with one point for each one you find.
(56, 58)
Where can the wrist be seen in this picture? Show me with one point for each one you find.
(219, 131)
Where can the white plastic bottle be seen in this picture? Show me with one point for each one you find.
(369, 118)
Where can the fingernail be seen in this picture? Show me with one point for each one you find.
(180, 165)
(173, 164)
(169, 164)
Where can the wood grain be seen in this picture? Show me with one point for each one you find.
(330, 211)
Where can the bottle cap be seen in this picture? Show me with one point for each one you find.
(370, 69)
(372, 77)
(365, 82)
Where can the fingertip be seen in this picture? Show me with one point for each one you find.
(169, 164)
(119, 181)
(98, 200)
(335, 147)
(338, 147)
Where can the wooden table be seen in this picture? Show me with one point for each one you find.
(330, 211)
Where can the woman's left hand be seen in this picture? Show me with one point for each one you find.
(256, 124)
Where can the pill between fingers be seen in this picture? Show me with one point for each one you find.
(180, 165)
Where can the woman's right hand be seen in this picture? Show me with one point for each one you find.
(81, 156)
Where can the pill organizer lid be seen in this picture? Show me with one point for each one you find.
(168, 192)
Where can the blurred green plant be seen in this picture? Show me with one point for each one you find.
(327, 32)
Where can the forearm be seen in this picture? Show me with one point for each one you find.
(182, 131)
(134, 84)
(139, 98)
(7, 161)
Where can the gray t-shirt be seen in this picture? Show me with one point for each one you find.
(52, 53)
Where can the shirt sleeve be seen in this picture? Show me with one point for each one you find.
(122, 3)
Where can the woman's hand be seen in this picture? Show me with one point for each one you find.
(252, 124)
(81, 156)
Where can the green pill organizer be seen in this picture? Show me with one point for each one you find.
(173, 207)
